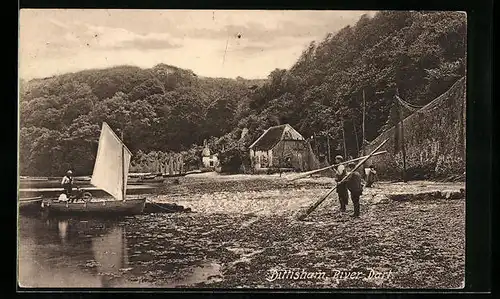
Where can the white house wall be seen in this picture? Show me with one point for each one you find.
(259, 157)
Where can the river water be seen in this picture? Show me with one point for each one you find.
(128, 252)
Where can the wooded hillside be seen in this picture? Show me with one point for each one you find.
(163, 109)
(419, 54)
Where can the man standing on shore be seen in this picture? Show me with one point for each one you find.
(354, 185)
(340, 173)
(371, 176)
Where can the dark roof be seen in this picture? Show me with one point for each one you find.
(269, 138)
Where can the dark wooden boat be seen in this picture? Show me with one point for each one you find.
(132, 189)
(107, 207)
(31, 204)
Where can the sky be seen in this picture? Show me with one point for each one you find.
(249, 44)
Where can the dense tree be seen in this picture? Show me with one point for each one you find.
(419, 55)
(41, 151)
(160, 109)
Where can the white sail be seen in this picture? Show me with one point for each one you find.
(111, 169)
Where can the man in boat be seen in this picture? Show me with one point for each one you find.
(67, 183)
(354, 185)
(340, 173)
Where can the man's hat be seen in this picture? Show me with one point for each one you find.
(339, 157)
(351, 165)
(69, 172)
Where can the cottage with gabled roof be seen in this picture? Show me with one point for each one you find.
(282, 147)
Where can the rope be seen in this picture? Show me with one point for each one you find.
(407, 105)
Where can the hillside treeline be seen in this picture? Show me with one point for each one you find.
(160, 109)
(418, 55)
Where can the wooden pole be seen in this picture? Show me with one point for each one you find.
(182, 165)
(123, 167)
(403, 148)
(363, 125)
(316, 150)
(329, 151)
(355, 134)
(311, 208)
(343, 137)
(334, 165)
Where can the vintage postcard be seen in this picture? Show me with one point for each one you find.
(230, 149)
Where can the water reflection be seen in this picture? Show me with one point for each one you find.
(63, 227)
(110, 254)
(145, 251)
(74, 252)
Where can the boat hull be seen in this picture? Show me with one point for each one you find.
(108, 207)
(30, 205)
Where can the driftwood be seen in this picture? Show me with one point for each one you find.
(311, 208)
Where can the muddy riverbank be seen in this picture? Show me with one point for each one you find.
(241, 233)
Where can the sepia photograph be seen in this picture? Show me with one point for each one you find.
(241, 149)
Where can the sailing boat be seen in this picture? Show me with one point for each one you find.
(110, 174)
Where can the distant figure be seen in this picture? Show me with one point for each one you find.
(67, 183)
(340, 173)
(355, 187)
(371, 176)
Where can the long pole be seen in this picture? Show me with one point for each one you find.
(328, 145)
(311, 208)
(403, 148)
(363, 125)
(343, 137)
(123, 168)
(316, 146)
(355, 134)
(302, 175)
